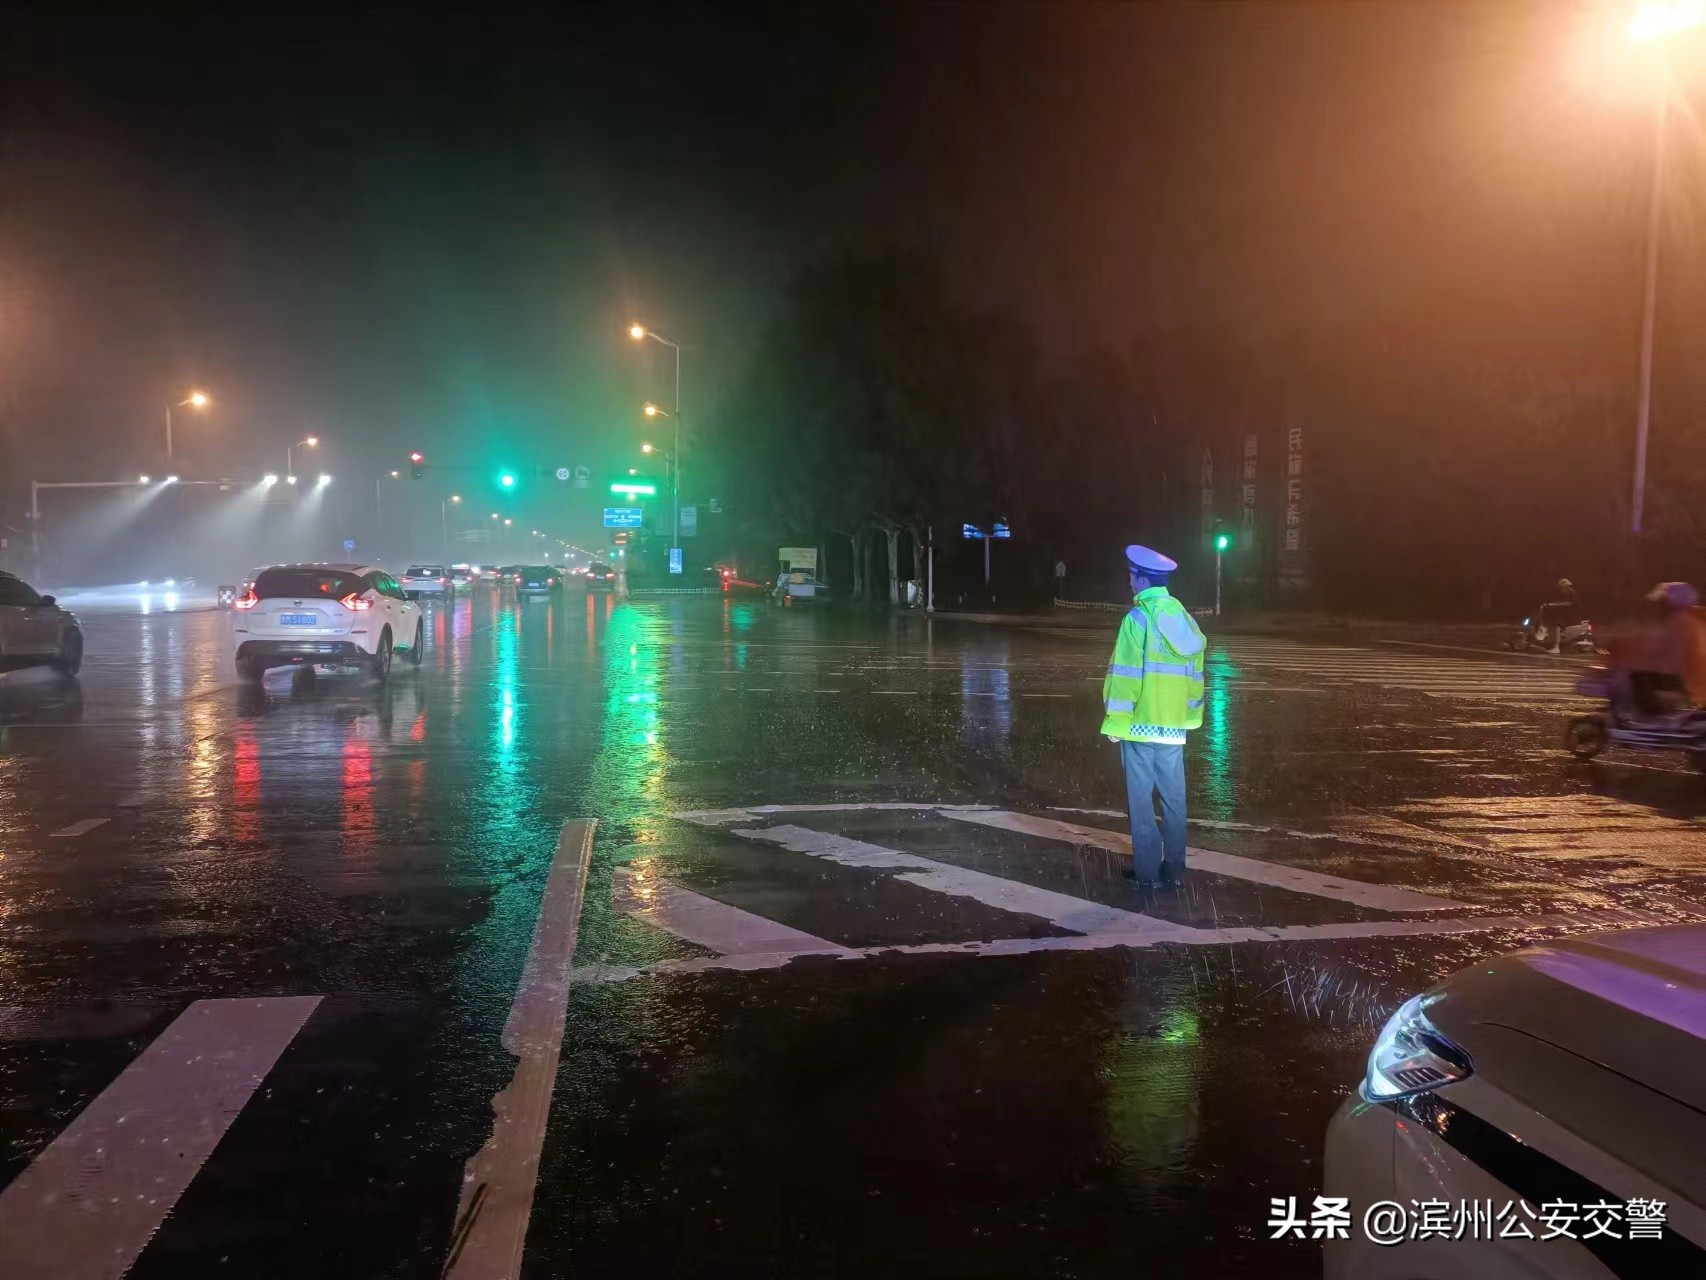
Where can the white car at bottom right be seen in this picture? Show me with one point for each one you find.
(1541, 1114)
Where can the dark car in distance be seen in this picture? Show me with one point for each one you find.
(537, 580)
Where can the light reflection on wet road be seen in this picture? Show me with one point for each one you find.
(1068, 1112)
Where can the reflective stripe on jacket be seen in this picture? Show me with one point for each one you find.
(1154, 688)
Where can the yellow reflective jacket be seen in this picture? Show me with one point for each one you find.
(1154, 688)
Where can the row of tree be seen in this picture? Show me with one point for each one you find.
(1443, 472)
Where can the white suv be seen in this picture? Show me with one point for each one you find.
(427, 580)
(337, 615)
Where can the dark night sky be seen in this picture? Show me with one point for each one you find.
(402, 229)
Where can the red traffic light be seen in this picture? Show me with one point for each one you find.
(417, 456)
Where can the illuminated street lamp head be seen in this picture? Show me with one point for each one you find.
(312, 441)
(396, 474)
(197, 400)
(456, 497)
(171, 479)
(1657, 19)
(141, 479)
(269, 480)
(645, 448)
(651, 409)
(637, 332)
(495, 515)
(290, 479)
(508, 522)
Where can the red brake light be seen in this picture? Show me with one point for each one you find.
(248, 600)
(353, 601)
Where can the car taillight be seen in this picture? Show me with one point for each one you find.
(248, 600)
(353, 601)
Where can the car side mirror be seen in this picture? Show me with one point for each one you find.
(47, 602)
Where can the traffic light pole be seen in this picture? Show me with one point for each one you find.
(1218, 553)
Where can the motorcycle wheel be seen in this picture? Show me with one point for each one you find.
(1586, 736)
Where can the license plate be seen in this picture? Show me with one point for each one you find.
(298, 620)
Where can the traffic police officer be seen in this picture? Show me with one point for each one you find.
(1152, 695)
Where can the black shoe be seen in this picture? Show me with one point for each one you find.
(1130, 874)
(1171, 879)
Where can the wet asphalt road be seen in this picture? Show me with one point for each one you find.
(779, 1056)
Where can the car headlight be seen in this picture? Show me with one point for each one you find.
(1411, 1056)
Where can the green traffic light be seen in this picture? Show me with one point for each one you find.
(507, 480)
(1221, 542)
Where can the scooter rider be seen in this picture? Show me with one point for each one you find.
(1664, 662)
(1557, 614)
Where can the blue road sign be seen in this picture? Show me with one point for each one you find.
(622, 517)
(1001, 530)
(970, 531)
(675, 559)
(349, 544)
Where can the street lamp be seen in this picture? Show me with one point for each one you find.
(443, 521)
(141, 479)
(1655, 20)
(378, 499)
(311, 442)
(639, 333)
(195, 400)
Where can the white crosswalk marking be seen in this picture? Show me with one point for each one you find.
(88, 1204)
(1436, 675)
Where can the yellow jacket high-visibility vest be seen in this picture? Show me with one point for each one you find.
(1154, 688)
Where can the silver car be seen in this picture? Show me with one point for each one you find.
(1541, 1114)
(35, 631)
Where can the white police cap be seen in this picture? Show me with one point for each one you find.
(1143, 560)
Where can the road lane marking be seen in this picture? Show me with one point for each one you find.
(1579, 921)
(498, 1181)
(1278, 875)
(705, 921)
(1580, 660)
(722, 817)
(79, 828)
(1059, 909)
(88, 1204)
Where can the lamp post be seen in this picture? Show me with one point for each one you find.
(1654, 21)
(195, 400)
(639, 333)
(668, 455)
(443, 519)
(310, 442)
(379, 501)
